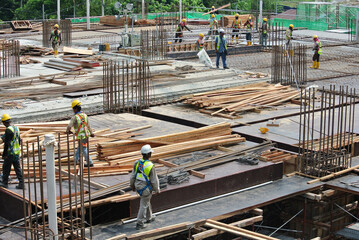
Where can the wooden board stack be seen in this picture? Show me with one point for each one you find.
(231, 102)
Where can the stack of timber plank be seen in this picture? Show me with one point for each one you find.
(63, 65)
(231, 102)
(112, 21)
(290, 160)
(35, 51)
(228, 20)
(127, 152)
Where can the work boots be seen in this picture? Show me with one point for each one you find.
(20, 185)
(317, 65)
(314, 64)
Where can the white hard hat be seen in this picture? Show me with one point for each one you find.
(221, 30)
(146, 149)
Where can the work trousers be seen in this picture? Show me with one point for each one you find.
(224, 59)
(6, 168)
(249, 36)
(145, 211)
(84, 152)
(316, 56)
(235, 32)
(264, 38)
(178, 37)
(55, 45)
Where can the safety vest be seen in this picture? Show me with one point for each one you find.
(14, 147)
(320, 47)
(200, 43)
(265, 28)
(81, 130)
(288, 34)
(213, 24)
(180, 27)
(236, 23)
(55, 37)
(219, 42)
(249, 24)
(143, 169)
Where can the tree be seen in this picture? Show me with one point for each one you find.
(7, 10)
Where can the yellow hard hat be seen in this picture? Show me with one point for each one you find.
(249, 17)
(291, 26)
(212, 6)
(213, 16)
(5, 117)
(76, 103)
(201, 35)
(183, 20)
(237, 15)
(263, 130)
(315, 36)
(56, 26)
(265, 19)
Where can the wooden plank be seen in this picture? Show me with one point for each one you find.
(164, 231)
(215, 10)
(77, 51)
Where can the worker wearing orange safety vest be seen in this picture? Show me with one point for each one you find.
(200, 42)
(144, 181)
(317, 52)
(179, 30)
(236, 25)
(83, 131)
(249, 25)
(213, 27)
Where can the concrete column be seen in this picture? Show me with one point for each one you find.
(58, 11)
(103, 8)
(143, 9)
(180, 10)
(88, 13)
(49, 144)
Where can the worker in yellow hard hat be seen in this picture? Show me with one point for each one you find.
(83, 131)
(213, 10)
(179, 31)
(200, 42)
(249, 25)
(317, 52)
(289, 38)
(55, 39)
(236, 25)
(11, 153)
(264, 33)
(213, 27)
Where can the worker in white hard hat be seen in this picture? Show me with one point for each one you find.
(11, 153)
(83, 131)
(221, 48)
(144, 181)
(200, 42)
(55, 39)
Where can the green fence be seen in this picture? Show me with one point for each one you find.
(302, 24)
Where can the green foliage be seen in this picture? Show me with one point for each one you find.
(7, 9)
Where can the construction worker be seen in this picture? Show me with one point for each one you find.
(55, 39)
(264, 32)
(317, 52)
(144, 180)
(11, 153)
(249, 25)
(200, 42)
(289, 38)
(179, 31)
(213, 10)
(221, 48)
(213, 26)
(236, 25)
(83, 131)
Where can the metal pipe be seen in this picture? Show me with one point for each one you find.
(49, 144)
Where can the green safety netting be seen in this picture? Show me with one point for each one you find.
(323, 16)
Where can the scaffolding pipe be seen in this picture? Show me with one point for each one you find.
(49, 144)
(88, 13)
(58, 11)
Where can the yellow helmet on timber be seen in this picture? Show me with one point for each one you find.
(315, 36)
(5, 117)
(76, 103)
(56, 26)
(265, 19)
(201, 35)
(291, 26)
(183, 20)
